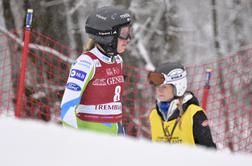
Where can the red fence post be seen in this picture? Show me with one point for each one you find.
(206, 88)
(21, 83)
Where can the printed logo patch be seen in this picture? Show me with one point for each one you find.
(73, 86)
(78, 74)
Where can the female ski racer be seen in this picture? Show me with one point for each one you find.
(177, 117)
(93, 93)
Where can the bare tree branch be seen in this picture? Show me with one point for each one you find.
(37, 47)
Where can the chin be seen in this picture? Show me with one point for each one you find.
(120, 52)
(161, 99)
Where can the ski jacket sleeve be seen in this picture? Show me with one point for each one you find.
(201, 130)
(81, 72)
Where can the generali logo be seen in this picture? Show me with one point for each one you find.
(108, 81)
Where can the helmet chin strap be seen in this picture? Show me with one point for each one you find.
(108, 54)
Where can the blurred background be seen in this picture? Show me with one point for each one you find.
(191, 31)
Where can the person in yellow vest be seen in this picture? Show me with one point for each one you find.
(177, 117)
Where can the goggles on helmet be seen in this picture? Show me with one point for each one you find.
(157, 79)
(125, 33)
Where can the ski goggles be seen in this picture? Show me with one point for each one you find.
(156, 78)
(125, 33)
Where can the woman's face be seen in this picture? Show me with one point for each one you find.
(124, 38)
(164, 92)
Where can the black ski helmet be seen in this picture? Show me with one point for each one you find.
(103, 26)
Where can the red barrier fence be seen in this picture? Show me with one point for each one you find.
(229, 104)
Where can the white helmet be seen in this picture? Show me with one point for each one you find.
(170, 73)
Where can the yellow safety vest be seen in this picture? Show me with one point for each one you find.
(183, 132)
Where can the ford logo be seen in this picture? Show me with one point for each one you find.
(73, 86)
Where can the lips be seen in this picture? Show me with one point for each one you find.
(160, 96)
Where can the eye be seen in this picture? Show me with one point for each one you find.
(125, 33)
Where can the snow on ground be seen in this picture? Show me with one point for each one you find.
(33, 143)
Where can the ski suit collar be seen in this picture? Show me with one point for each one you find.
(101, 56)
(189, 99)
